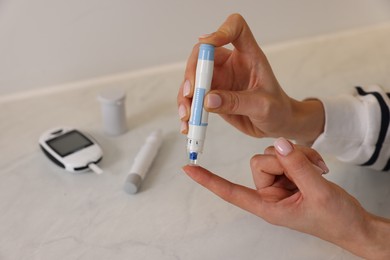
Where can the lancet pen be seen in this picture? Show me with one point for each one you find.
(199, 116)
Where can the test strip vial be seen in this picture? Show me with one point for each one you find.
(113, 111)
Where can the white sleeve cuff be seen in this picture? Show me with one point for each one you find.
(352, 127)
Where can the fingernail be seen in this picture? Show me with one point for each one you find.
(213, 101)
(183, 127)
(182, 111)
(206, 35)
(283, 146)
(186, 88)
(323, 166)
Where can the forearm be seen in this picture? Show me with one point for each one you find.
(371, 241)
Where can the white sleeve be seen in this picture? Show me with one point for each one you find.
(357, 128)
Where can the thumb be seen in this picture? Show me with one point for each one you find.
(230, 102)
(298, 167)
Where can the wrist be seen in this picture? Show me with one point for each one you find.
(371, 240)
(377, 238)
(308, 120)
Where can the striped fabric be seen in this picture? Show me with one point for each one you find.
(357, 128)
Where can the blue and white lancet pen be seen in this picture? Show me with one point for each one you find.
(199, 117)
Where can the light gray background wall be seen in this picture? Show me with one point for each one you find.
(49, 42)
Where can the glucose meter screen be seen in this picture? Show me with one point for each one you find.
(69, 143)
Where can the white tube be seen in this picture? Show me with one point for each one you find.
(142, 162)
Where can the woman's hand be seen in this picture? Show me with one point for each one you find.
(291, 192)
(245, 91)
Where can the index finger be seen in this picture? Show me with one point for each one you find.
(190, 71)
(234, 30)
(241, 196)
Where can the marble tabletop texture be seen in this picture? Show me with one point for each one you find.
(48, 213)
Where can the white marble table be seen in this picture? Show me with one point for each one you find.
(47, 213)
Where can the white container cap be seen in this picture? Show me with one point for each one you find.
(112, 96)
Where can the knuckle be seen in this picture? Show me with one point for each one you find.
(264, 106)
(179, 97)
(324, 198)
(254, 162)
(269, 150)
(300, 167)
(310, 153)
(228, 194)
(233, 102)
(195, 48)
(236, 17)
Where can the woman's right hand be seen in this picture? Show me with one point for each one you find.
(245, 91)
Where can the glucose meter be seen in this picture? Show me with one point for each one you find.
(71, 149)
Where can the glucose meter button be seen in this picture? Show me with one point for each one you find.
(57, 132)
(132, 183)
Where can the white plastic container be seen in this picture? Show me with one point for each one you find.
(113, 109)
